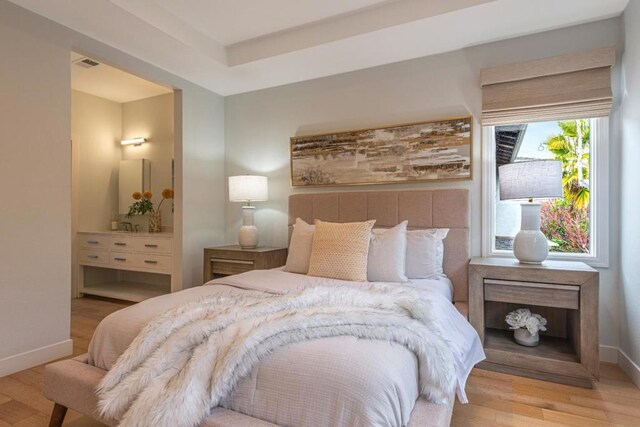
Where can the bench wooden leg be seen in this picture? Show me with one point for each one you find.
(57, 415)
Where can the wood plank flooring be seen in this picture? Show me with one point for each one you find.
(495, 399)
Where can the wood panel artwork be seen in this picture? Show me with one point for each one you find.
(429, 151)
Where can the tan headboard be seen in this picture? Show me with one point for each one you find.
(422, 208)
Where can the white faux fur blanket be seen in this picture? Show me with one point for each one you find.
(186, 360)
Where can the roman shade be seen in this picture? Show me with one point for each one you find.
(572, 86)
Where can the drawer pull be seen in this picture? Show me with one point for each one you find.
(150, 262)
(232, 261)
(147, 245)
(92, 242)
(120, 244)
(120, 259)
(92, 256)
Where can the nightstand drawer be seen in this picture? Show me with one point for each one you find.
(230, 266)
(529, 293)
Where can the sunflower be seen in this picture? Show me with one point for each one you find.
(137, 195)
(147, 195)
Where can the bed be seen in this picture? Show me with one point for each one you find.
(72, 383)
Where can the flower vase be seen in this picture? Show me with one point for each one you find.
(155, 221)
(524, 337)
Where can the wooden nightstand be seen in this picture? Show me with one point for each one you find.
(565, 293)
(227, 260)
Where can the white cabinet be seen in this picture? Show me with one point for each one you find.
(127, 266)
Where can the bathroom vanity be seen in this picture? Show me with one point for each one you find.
(130, 266)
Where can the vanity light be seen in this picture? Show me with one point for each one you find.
(133, 141)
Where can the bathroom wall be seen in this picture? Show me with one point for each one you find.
(152, 118)
(96, 129)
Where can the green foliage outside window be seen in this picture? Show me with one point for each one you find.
(566, 221)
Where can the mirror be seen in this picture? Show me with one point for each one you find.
(133, 175)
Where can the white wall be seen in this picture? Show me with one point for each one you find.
(259, 124)
(152, 118)
(199, 179)
(35, 167)
(35, 221)
(630, 202)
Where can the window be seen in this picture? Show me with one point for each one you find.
(576, 225)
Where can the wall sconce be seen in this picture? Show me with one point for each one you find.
(133, 141)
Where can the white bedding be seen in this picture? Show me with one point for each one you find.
(442, 285)
(330, 381)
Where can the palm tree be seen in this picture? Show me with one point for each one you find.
(572, 148)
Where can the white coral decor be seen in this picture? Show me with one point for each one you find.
(523, 318)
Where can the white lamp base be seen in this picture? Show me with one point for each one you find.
(530, 245)
(248, 235)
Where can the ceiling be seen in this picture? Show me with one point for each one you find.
(234, 46)
(110, 83)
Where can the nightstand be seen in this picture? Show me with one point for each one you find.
(565, 293)
(227, 260)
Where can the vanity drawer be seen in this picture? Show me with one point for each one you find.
(530, 293)
(86, 240)
(152, 245)
(121, 259)
(154, 262)
(93, 257)
(121, 243)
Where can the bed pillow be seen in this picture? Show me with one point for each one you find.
(387, 254)
(300, 247)
(340, 251)
(425, 253)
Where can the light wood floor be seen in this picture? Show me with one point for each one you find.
(496, 399)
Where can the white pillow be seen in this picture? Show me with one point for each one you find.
(387, 254)
(300, 248)
(425, 253)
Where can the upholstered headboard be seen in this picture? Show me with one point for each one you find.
(422, 208)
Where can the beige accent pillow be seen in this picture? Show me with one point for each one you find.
(340, 251)
(300, 247)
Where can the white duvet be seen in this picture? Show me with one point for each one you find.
(329, 381)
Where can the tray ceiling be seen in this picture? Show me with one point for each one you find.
(234, 46)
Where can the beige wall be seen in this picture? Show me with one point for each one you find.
(152, 118)
(35, 219)
(630, 202)
(96, 129)
(35, 168)
(258, 124)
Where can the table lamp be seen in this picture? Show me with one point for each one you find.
(539, 179)
(247, 189)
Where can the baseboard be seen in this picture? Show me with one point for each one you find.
(629, 367)
(608, 354)
(29, 359)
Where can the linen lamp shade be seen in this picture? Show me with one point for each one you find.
(248, 188)
(538, 179)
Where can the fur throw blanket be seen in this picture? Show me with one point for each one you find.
(185, 361)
